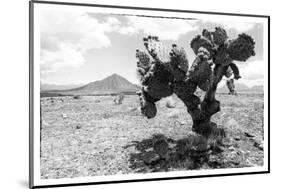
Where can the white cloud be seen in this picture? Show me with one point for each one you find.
(165, 29)
(252, 69)
(240, 27)
(252, 72)
(251, 83)
(63, 58)
(66, 36)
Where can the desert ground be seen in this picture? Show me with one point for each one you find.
(93, 136)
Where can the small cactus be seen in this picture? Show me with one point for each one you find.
(231, 86)
(119, 99)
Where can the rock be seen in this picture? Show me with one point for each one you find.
(45, 123)
(212, 158)
(182, 123)
(231, 148)
(149, 149)
(64, 116)
(249, 163)
(242, 152)
(237, 138)
(78, 126)
(76, 97)
(248, 135)
(258, 145)
(174, 114)
(170, 103)
(133, 109)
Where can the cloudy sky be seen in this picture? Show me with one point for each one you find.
(85, 47)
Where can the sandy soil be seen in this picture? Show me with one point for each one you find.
(93, 136)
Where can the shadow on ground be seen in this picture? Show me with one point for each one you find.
(160, 153)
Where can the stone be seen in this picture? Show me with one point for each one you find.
(248, 135)
(45, 123)
(174, 114)
(76, 97)
(170, 103)
(258, 145)
(231, 148)
(182, 122)
(237, 138)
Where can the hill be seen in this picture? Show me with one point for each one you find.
(113, 84)
(242, 88)
(50, 87)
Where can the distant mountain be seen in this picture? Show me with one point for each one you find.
(48, 87)
(240, 87)
(257, 87)
(111, 85)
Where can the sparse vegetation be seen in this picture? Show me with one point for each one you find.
(101, 138)
(231, 87)
(119, 99)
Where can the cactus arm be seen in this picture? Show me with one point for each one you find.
(178, 64)
(235, 70)
(147, 41)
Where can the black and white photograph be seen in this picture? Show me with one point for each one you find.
(131, 94)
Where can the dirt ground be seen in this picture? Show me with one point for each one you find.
(92, 136)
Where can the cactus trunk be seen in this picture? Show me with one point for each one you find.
(201, 112)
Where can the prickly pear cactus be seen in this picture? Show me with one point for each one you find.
(162, 74)
(231, 86)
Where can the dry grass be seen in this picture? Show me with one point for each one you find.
(92, 136)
